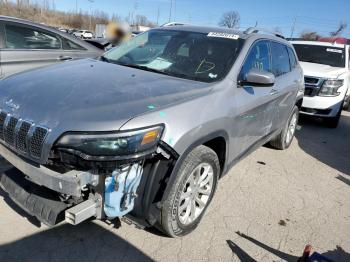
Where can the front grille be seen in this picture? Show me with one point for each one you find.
(37, 141)
(312, 85)
(308, 91)
(22, 136)
(9, 131)
(2, 122)
(311, 80)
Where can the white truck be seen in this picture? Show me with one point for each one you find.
(327, 77)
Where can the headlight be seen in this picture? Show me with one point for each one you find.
(111, 146)
(330, 87)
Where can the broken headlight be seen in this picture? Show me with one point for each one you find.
(111, 145)
(330, 87)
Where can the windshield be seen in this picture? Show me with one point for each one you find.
(197, 56)
(327, 55)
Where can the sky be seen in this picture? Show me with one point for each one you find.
(323, 15)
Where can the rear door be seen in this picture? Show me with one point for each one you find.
(288, 78)
(26, 47)
(256, 104)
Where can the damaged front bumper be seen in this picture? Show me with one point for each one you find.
(132, 189)
(70, 183)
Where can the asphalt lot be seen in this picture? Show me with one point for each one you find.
(267, 208)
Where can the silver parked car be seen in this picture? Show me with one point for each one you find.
(147, 130)
(25, 45)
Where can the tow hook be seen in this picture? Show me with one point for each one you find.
(84, 210)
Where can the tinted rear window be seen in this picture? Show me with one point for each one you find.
(326, 55)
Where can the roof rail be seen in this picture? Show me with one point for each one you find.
(254, 30)
(173, 24)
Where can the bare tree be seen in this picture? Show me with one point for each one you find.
(230, 19)
(143, 21)
(309, 35)
(340, 29)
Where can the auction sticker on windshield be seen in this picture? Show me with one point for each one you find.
(223, 35)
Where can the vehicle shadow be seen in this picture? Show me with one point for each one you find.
(338, 254)
(85, 242)
(344, 180)
(329, 146)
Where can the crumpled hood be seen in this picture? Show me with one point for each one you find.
(91, 95)
(319, 70)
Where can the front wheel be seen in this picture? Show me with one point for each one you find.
(285, 138)
(191, 193)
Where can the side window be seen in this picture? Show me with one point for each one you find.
(21, 37)
(184, 50)
(258, 58)
(280, 59)
(69, 45)
(292, 58)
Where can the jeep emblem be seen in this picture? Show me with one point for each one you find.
(12, 105)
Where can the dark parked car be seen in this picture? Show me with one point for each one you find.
(25, 45)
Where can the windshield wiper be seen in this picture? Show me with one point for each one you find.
(141, 67)
(105, 59)
(149, 69)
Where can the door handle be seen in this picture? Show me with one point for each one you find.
(273, 92)
(64, 58)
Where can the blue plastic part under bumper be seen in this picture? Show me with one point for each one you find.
(120, 190)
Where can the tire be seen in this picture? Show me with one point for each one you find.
(285, 139)
(174, 223)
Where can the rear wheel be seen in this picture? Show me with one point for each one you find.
(191, 192)
(285, 138)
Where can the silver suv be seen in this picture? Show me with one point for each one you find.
(146, 131)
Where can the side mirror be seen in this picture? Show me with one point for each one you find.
(258, 77)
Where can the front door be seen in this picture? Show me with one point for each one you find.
(26, 47)
(256, 105)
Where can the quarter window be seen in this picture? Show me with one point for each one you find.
(280, 59)
(292, 58)
(20, 37)
(258, 58)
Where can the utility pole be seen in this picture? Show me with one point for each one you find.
(91, 2)
(293, 26)
(170, 11)
(158, 16)
(76, 6)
